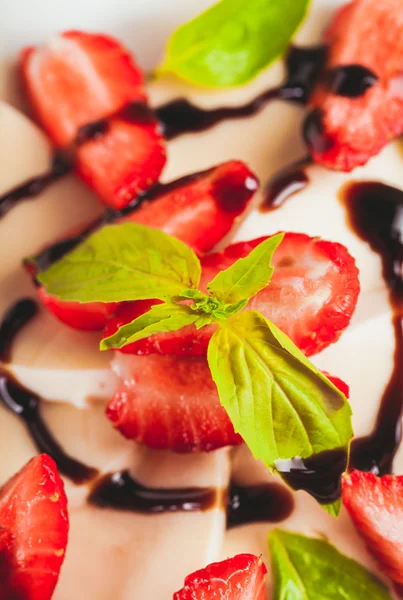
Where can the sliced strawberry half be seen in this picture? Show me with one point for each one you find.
(375, 505)
(33, 531)
(311, 297)
(170, 403)
(238, 578)
(79, 79)
(198, 209)
(85, 317)
(358, 104)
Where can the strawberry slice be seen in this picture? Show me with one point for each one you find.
(199, 209)
(238, 578)
(375, 505)
(33, 531)
(85, 317)
(80, 79)
(172, 403)
(168, 403)
(311, 297)
(358, 104)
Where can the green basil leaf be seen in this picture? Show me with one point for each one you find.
(231, 42)
(123, 262)
(312, 569)
(280, 403)
(247, 276)
(161, 318)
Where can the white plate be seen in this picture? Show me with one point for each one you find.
(149, 556)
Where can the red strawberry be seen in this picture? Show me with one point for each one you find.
(85, 317)
(199, 210)
(238, 578)
(339, 383)
(311, 297)
(170, 403)
(33, 531)
(81, 78)
(375, 505)
(344, 131)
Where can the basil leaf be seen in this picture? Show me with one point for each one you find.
(123, 262)
(311, 569)
(277, 400)
(231, 42)
(161, 318)
(247, 276)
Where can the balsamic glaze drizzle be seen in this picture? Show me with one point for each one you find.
(34, 186)
(14, 319)
(121, 492)
(303, 68)
(284, 184)
(350, 81)
(25, 404)
(319, 475)
(375, 212)
(265, 502)
(268, 502)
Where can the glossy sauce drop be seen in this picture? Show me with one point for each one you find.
(284, 184)
(319, 475)
(375, 213)
(303, 68)
(266, 502)
(121, 492)
(350, 81)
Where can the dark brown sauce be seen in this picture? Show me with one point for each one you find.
(319, 475)
(18, 315)
(121, 492)
(375, 212)
(133, 112)
(350, 81)
(25, 404)
(284, 184)
(265, 502)
(34, 186)
(303, 68)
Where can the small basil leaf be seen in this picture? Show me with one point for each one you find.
(277, 400)
(161, 318)
(247, 276)
(312, 569)
(231, 42)
(123, 262)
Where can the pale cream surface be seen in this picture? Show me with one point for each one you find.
(123, 555)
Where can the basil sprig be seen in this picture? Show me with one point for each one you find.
(277, 400)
